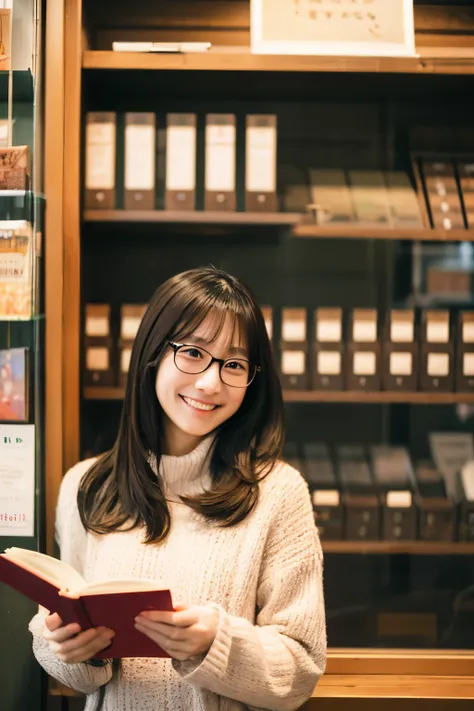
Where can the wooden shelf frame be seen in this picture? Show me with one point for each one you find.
(198, 217)
(67, 56)
(322, 396)
(398, 548)
(431, 60)
(294, 220)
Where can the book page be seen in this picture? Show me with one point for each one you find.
(54, 570)
(118, 586)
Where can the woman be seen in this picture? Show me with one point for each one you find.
(193, 495)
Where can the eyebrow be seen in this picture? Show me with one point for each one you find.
(233, 350)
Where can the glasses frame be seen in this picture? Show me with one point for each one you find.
(221, 361)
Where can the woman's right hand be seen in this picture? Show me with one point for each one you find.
(72, 646)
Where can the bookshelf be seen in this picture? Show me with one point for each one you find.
(431, 60)
(321, 396)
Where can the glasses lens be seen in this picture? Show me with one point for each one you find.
(190, 359)
(237, 373)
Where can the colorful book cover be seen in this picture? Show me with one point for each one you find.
(13, 385)
(16, 270)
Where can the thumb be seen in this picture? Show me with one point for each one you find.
(53, 622)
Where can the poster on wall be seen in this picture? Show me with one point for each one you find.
(17, 480)
(373, 28)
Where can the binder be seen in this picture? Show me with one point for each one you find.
(101, 129)
(181, 162)
(261, 163)
(220, 162)
(140, 152)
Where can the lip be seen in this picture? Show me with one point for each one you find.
(201, 402)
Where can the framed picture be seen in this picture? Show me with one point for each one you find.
(374, 28)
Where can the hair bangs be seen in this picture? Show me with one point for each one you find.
(216, 309)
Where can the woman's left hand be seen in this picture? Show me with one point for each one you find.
(183, 634)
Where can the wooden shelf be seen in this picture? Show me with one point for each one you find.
(294, 220)
(439, 60)
(391, 686)
(347, 396)
(194, 217)
(363, 686)
(321, 396)
(398, 547)
(422, 234)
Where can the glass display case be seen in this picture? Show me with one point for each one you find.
(22, 331)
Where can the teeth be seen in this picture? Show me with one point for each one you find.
(198, 405)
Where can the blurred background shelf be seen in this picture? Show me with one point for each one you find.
(344, 396)
(398, 547)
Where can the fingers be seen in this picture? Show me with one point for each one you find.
(83, 647)
(180, 618)
(53, 622)
(61, 634)
(72, 646)
(177, 649)
(166, 631)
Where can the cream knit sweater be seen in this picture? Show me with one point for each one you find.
(265, 574)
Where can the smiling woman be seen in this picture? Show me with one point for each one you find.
(193, 495)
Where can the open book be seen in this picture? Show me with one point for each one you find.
(59, 588)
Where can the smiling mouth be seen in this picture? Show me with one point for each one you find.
(196, 405)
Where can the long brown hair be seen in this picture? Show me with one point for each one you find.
(121, 489)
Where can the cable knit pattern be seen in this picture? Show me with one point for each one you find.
(265, 575)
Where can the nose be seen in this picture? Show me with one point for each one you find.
(209, 381)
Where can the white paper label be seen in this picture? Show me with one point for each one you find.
(97, 358)
(181, 158)
(260, 168)
(139, 157)
(125, 360)
(402, 331)
(293, 362)
(220, 158)
(437, 331)
(129, 327)
(438, 365)
(100, 156)
(364, 363)
(364, 331)
(398, 499)
(401, 363)
(468, 364)
(468, 332)
(329, 497)
(294, 329)
(97, 326)
(17, 480)
(329, 362)
(329, 331)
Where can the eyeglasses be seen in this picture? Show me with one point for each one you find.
(235, 372)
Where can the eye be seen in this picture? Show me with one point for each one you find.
(237, 365)
(190, 352)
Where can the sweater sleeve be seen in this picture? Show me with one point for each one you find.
(276, 663)
(72, 540)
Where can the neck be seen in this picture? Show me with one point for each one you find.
(186, 474)
(177, 443)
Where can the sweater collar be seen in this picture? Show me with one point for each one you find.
(189, 474)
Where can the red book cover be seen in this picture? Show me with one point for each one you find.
(115, 610)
